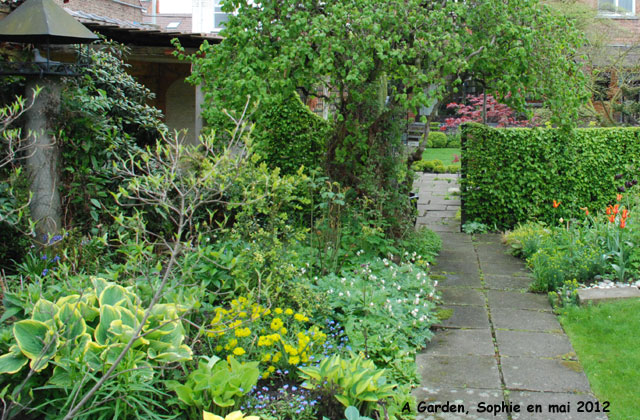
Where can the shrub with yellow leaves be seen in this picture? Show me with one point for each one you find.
(278, 339)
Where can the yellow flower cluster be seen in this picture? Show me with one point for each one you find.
(283, 338)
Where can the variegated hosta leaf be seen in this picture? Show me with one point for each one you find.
(36, 341)
(13, 361)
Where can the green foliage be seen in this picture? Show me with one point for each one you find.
(69, 343)
(385, 310)
(216, 386)
(514, 175)
(437, 139)
(353, 381)
(558, 255)
(453, 140)
(288, 135)
(435, 166)
(474, 227)
(421, 245)
(104, 116)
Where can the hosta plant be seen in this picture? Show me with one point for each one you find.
(92, 328)
(217, 385)
(353, 381)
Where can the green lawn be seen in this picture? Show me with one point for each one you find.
(445, 155)
(607, 340)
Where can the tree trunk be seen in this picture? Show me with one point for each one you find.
(42, 159)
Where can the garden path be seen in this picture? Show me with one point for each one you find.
(498, 343)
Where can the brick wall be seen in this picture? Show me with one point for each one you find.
(620, 29)
(119, 9)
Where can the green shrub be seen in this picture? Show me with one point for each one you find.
(453, 141)
(513, 175)
(439, 169)
(452, 169)
(438, 139)
(288, 135)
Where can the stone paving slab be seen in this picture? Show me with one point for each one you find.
(470, 398)
(466, 317)
(545, 399)
(457, 279)
(461, 296)
(461, 343)
(462, 263)
(518, 300)
(498, 282)
(544, 375)
(459, 371)
(525, 320)
(503, 268)
(532, 344)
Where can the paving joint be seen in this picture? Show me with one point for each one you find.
(492, 328)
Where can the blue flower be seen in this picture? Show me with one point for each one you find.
(44, 272)
(44, 257)
(56, 258)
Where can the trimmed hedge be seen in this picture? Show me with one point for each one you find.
(288, 135)
(512, 175)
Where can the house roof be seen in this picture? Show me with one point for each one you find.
(136, 33)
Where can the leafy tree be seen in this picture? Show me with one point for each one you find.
(380, 59)
(104, 116)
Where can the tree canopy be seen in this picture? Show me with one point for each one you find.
(376, 58)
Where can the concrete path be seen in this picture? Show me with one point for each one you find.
(499, 346)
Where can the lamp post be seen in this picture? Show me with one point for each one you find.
(43, 23)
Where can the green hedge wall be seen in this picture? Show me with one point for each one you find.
(513, 175)
(288, 135)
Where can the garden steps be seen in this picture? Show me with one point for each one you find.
(498, 343)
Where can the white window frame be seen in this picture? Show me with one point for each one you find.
(617, 13)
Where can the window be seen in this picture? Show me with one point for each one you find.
(219, 17)
(617, 7)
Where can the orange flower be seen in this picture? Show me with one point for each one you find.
(623, 223)
(625, 213)
(586, 210)
(556, 203)
(616, 209)
(619, 197)
(612, 218)
(609, 208)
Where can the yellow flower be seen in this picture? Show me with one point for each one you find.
(239, 351)
(300, 318)
(278, 311)
(294, 360)
(265, 375)
(276, 357)
(242, 332)
(218, 348)
(276, 324)
(266, 357)
(264, 341)
(271, 369)
(233, 342)
(242, 314)
(288, 311)
(283, 331)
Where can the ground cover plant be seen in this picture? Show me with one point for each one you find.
(605, 339)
